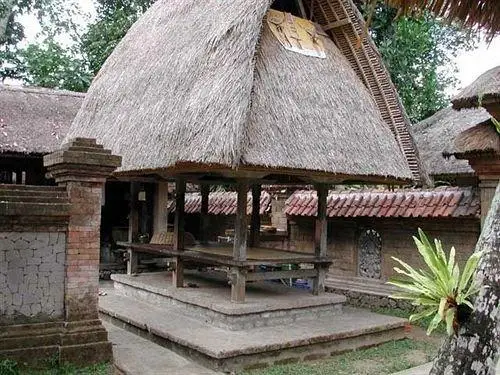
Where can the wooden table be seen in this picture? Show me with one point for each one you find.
(239, 271)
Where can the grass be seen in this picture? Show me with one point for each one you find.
(8, 367)
(383, 359)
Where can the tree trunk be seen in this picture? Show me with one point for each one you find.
(474, 351)
(6, 9)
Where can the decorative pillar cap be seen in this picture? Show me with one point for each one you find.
(81, 159)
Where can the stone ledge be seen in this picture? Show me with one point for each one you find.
(81, 342)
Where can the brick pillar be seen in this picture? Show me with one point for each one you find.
(82, 166)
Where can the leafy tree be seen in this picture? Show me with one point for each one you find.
(11, 33)
(115, 17)
(48, 64)
(418, 53)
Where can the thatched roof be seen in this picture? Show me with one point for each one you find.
(481, 14)
(480, 139)
(205, 84)
(436, 135)
(484, 89)
(35, 120)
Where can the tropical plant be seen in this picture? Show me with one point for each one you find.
(441, 291)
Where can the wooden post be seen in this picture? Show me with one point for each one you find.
(238, 279)
(320, 238)
(160, 208)
(133, 227)
(180, 193)
(205, 194)
(238, 283)
(241, 224)
(255, 220)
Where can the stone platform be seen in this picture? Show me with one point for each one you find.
(267, 304)
(200, 322)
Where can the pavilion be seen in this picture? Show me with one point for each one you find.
(247, 93)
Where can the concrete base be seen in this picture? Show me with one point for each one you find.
(228, 349)
(267, 304)
(80, 343)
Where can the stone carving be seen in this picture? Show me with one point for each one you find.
(369, 254)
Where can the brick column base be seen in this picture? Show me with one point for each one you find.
(82, 166)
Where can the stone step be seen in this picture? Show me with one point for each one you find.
(33, 188)
(229, 350)
(360, 285)
(34, 199)
(202, 304)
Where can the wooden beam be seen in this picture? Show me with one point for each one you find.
(180, 195)
(132, 262)
(255, 220)
(275, 275)
(320, 238)
(319, 280)
(133, 227)
(238, 284)
(160, 220)
(204, 224)
(178, 273)
(133, 218)
(241, 224)
(336, 24)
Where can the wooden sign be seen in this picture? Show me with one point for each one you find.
(296, 34)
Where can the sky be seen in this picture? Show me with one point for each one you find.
(471, 64)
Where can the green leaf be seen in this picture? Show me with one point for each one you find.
(450, 317)
(421, 315)
(442, 306)
(470, 268)
(434, 323)
(451, 260)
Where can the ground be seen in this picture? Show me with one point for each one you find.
(381, 360)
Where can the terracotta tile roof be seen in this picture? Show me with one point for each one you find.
(222, 203)
(438, 202)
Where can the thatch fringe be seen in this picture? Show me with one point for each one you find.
(480, 139)
(482, 90)
(436, 135)
(480, 14)
(204, 82)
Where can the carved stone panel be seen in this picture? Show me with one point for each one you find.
(369, 254)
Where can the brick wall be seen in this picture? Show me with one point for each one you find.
(49, 260)
(31, 276)
(396, 235)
